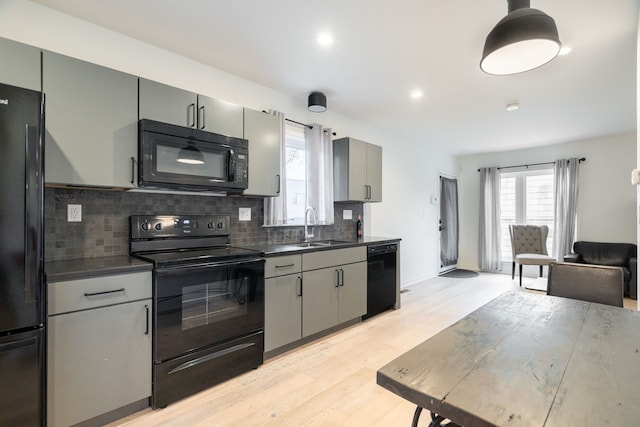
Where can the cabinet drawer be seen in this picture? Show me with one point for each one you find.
(95, 292)
(281, 265)
(322, 259)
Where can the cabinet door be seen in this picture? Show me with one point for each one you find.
(282, 311)
(374, 172)
(319, 300)
(215, 115)
(98, 360)
(263, 133)
(357, 170)
(20, 65)
(352, 294)
(91, 123)
(167, 104)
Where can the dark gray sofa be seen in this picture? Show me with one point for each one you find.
(612, 254)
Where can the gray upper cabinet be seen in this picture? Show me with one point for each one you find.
(263, 133)
(357, 171)
(215, 115)
(20, 65)
(168, 104)
(91, 123)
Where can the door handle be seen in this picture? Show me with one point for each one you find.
(146, 330)
(201, 123)
(191, 115)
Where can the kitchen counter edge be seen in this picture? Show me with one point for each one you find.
(278, 249)
(74, 269)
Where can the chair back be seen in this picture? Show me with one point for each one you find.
(586, 282)
(528, 239)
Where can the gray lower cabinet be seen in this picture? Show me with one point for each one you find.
(180, 107)
(332, 296)
(357, 171)
(309, 293)
(283, 301)
(263, 133)
(91, 123)
(99, 346)
(20, 65)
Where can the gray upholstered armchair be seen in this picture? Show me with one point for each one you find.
(529, 247)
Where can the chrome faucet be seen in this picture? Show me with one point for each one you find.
(308, 235)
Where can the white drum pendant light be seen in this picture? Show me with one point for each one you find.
(523, 40)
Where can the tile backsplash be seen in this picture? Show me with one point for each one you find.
(104, 229)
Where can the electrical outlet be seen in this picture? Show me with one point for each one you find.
(244, 214)
(74, 213)
(347, 214)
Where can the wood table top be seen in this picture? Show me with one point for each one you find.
(527, 360)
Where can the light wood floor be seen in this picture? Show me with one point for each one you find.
(332, 382)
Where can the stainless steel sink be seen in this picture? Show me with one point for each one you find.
(318, 243)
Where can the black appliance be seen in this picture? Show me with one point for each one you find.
(208, 297)
(176, 157)
(22, 336)
(381, 278)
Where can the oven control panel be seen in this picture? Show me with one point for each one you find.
(155, 226)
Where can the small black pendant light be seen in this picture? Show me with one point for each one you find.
(523, 40)
(190, 155)
(317, 102)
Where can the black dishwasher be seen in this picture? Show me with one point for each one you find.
(381, 278)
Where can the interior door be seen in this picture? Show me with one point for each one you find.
(448, 223)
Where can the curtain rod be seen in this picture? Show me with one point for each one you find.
(298, 123)
(580, 160)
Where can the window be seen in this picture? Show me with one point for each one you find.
(295, 171)
(526, 197)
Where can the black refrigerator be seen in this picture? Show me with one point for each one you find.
(22, 310)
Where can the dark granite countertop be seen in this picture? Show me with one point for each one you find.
(290, 248)
(58, 271)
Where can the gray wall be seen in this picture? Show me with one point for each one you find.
(104, 230)
(606, 200)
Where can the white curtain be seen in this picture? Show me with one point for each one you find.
(319, 165)
(565, 205)
(490, 258)
(275, 208)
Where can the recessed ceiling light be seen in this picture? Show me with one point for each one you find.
(416, 94)
(565, 50)
(325, 39)
(513, 106)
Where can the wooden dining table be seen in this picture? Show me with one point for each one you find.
(526, 359)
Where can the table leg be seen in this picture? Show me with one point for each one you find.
(436, 420)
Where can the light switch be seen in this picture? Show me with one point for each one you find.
(74, 213)
(244, 214)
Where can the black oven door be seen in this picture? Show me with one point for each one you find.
(203, 305)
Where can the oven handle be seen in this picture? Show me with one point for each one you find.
(203, 359)
(230, 263)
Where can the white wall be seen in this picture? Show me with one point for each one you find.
(410, 168)
(606, 200)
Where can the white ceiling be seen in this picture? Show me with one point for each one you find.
(384, 49)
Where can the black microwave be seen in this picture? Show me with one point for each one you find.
(181, 158)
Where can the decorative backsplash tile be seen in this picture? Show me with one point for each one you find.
(104, 230)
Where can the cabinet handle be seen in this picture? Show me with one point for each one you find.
(146, 330)
(133, 169)
(300, 284)
(278, 184)
(201, 114)
(366, 191)
(285, 266)
(191, 115)
(337, 278)
(93, 294)
(342, 274)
